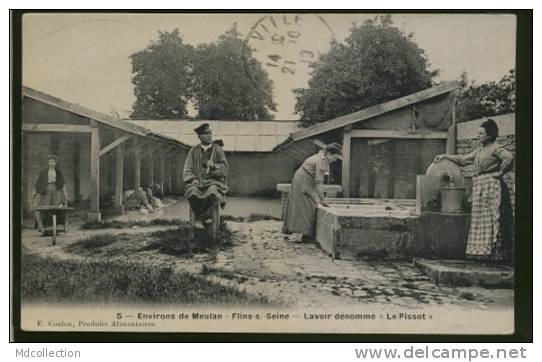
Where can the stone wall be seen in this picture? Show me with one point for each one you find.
(250, 173)
(466, 143)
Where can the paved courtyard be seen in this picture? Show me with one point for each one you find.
(262, 260)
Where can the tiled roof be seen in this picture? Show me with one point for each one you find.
(238, 136)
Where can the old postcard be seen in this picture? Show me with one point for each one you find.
(267, 172)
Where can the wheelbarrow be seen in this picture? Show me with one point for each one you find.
(211, 221)
(52, 219)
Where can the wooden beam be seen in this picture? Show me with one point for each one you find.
(166, 177)
(374, 111)
(137, 165)
(94, 214)
(319, 143)
(452, 132)
(151, 169)
(76, 169)
(161, 174)
(119, 178)
(419, 186)
(175, 174)
(346, 164)
(82, 111)
(376, 133)
(131, 146)
(56, 127)
(169, 177)
(114, 144)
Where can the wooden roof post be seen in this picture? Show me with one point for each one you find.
(119, 178)
(161, 174)
(346, 162)
(151, 168)
(137, 165)
(94, 214)
(452, 131)
(169, 176)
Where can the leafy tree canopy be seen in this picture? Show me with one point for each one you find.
(378, 62)
(162, 78)
(229, 83)
(486, 99)
(221, 79)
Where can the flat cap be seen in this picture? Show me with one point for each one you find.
(203, 128)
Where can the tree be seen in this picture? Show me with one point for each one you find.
(162, 78)
(486, 99)
(378, 62)
(228, 83)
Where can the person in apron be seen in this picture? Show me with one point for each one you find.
(491, 231)
(307, 191)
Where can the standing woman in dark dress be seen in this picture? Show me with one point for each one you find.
(50, 187)
(491, 230)
(307, 191)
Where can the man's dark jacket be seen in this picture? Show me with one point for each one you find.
(41, 184)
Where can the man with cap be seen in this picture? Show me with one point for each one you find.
(205, 174)
(50, 184)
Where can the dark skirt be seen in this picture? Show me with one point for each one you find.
(300, 215)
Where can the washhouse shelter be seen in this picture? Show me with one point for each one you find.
(99, 155)
(385, 146)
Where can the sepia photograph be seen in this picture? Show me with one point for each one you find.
(267, 172)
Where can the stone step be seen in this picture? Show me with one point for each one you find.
(466, 273)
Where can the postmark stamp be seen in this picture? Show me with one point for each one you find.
(286, 44)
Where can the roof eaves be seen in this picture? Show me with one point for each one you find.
(95, 115)
(373, 111)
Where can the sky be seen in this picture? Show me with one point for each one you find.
(84, 58)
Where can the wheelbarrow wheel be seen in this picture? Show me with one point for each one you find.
(54, 229)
